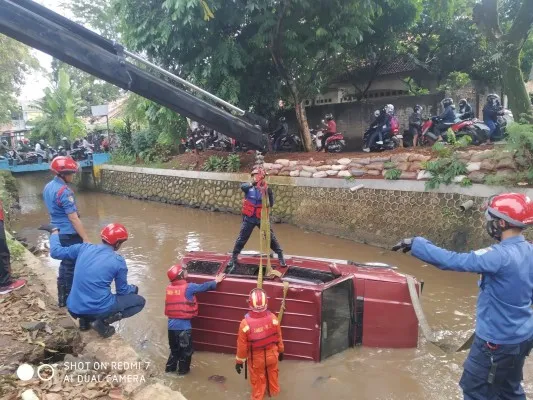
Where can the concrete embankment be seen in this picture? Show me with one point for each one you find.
(378, 213)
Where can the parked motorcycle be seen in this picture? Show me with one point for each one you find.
(391, 139)
(81, 153)
(288, 143)
(501, 125)
(474, 128)
(334, 144)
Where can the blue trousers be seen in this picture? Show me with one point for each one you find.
(482, 380)
(492, 126)
(66, 268)
(5, 258)
(128, 305)
(247, 227)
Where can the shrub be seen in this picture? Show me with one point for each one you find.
(122, 157)
(214, 163)
(233, 163)
(393, 174)
(444, 170)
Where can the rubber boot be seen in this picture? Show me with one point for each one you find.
(281, 259)
(84, 324)
(103, 329)
(61, 295)
(113, 318)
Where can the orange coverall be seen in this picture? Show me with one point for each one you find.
(262, 363)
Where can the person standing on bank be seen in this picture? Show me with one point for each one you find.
(251, 212)
(260, 343)
(180, 307)
(7, 283)
(61, 205)
(97, 266)
(504, 327)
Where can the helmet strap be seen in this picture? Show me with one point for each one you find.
(495, 228)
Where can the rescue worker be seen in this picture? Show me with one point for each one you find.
(180, 307)
(504, 327)
(59, 200)
(7, 283)
(251, 215)
(415, 123)
(259, 342)
(97, 266)
(331, 129)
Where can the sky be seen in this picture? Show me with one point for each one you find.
(36, 82)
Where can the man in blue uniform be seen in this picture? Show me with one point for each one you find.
(59, 200)
(504, 328)
(97, 266)
(251, 211)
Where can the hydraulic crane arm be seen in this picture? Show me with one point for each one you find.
(45, 30)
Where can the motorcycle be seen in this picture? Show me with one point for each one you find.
(81, 153)
(473, 128)
(334, 144)
(391, 139)
(288, 143)
(501, 125)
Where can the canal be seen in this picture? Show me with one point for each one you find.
(160, 234)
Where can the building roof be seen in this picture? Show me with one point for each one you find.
(399, 65)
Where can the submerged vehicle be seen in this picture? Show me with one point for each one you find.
(331, 305)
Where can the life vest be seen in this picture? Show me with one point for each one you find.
(262, 329)
(252, 203)
(176, 304)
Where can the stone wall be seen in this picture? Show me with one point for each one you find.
(379, 213)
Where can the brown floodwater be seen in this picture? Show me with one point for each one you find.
(160, 234)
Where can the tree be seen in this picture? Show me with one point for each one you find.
(15, 61)
(97, 15)
(508, 29)
(60, 106)
(92, 90)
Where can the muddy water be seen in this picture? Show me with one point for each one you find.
(161, 234)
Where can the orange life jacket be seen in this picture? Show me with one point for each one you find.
(176, 304)
(263, 329)
(250, 209)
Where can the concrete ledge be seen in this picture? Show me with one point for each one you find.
(475, 190)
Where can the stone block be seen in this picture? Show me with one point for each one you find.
(309, 169)
(344, 161)
(332, 172)
(473, 166)
(459, 178)
(294, 173)
(273, 172)
(373, 172)
(357, 172)
(481, 155)
(403, 166)
(419, 157)
(415, 166)
(306, 174)
(316, 163)
(382, 159)
(488, 165)
(378, 166)
(320, 174)
(293, 163)
(361, 161)
(344, 174)
(477, 176)
(283, 161)
(408, 175)
(323, 167)
(356, 166)
(423, 175)
(464, 155)
(158, 391)
(506, 173)
(339, 167)
(276, 166)
(400, 158)
(284, 173)
(508, 163)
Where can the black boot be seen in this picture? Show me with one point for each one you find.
(103, 329)
(281, 259)
(61, 295)
(85, 325)
(113, 318)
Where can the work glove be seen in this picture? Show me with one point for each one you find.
(136, 289)
(280, 357)
(48, 228)
(238, 368)
(404, 244)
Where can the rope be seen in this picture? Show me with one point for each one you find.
(264, 235)
(426, 330)
(283, 307)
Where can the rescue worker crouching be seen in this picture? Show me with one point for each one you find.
(97, 266)
(504, 320)
(251, 211)
(260, 343)
(180, 307)
(61, 205)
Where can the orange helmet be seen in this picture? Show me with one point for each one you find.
(64, 165)
(514, 208)
(174, 272)
(260, 172)
(258, 300)
(114, 233)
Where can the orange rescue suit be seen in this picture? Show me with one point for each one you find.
(260, 342)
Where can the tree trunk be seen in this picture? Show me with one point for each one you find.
(303, 126)
(513, 80)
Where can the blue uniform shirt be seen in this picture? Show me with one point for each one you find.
(175, 324)
(96, 268)
(59, 206)
(504, 314)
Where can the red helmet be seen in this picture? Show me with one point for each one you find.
(114, 233)
(64, 165)
(174, 272)
(260, 172)
(514, 208)
(258, 300)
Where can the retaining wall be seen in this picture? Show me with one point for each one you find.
(380, 213)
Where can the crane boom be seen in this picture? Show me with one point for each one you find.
(45, 30)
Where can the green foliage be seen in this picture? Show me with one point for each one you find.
(393, 174)
(120, 157)
(233, 163)
(16, 249)
(520, 142)
(97, 14)
(456, 80)
(389, 165)
(215, 163)
(444, 170)
(466, 182)
(143, 141)
(442, 149)
(60, 107)
(15, 62)
(124, 131)
(414, 88)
